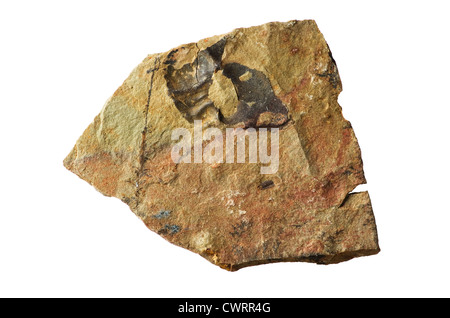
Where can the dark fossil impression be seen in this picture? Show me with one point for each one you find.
(189, 86)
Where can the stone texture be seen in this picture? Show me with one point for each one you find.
(274, 75)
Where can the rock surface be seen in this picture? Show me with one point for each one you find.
(277, 75)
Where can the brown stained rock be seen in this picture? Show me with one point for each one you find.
(277, 75)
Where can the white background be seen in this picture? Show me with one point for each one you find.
(60, 61)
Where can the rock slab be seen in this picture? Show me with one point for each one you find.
(275, 76)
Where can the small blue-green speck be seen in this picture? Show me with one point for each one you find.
(162, 214)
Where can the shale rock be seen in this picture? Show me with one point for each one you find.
(277, 76)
